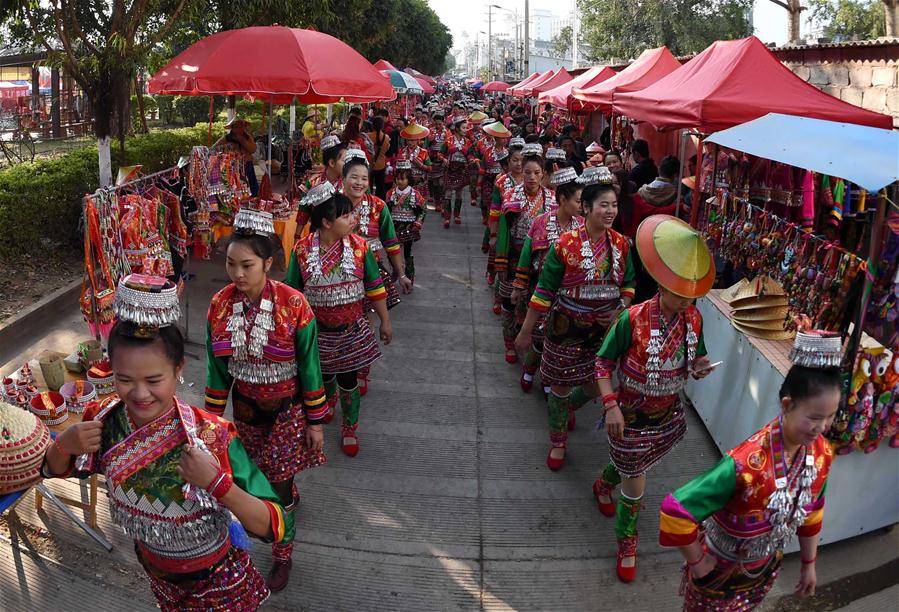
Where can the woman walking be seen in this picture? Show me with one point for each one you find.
(261, 349)
(337, 272)
(504, 182)
(654, 346)
(459, 155)
(586, 280)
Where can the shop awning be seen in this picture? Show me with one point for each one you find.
(652, 65)
(560, 96)
(866, 156)
(521, 91)
(525, 82)
(730, 83)
(559, 78)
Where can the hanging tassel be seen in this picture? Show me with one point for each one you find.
(238, 333)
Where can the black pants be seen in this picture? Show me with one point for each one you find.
(378, 185)
(251, 178)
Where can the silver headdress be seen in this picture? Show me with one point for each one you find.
(352, 154)
(595, 175)
(532, 148)
(817, 349)
(147, 301)
(555, 154)
(329, 141)
(562, 176)
(404, 164)
(252, 221)
(517, 142)
(318, 195)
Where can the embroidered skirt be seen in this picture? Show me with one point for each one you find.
(727, 589)
(349, 349)
(407, 232)
(232, 584)
(274, 433)
(569, 350)
(456, 176)
(652, 427)
(393, 292)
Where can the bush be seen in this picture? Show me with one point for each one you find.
(195, 109)
(167, 109)
(40, 202)
(149, 106)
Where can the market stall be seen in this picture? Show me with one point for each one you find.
(559, 78)
(797, 209)
(561, 96)
(516, 90)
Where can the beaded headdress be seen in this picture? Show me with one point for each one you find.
(532, 148)
(352, 154)
(594, 147)
(318, 195)
(23, 441)
(329, 141)
(595, 175)
(517, 142)
(814, 348)
(555, 154)
(404, 164)
(249, 220)
(501, 155)
(150, 302)
(562, 176)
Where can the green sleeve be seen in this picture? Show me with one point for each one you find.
(497, 197)
(294, 278)
(218, 379)
(371, 272)
(386, 231)
(524, 260)
(618, 338)
(502, 236)
(309, 372)
(630, 277)
(700, 345)
(551, 273)
(706, 494)
(247, 476)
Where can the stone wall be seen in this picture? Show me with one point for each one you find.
(866, 77)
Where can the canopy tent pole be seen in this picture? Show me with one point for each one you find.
(682, 151)
(694, 209)
(211, 109)
(269, 168)
(293, 115)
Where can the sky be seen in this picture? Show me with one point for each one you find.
(470, 16)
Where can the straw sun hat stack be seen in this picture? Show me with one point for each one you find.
(759, 308)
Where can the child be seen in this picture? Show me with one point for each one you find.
(407, 207)
(175, 474)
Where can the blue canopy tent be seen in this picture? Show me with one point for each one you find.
(866, 156)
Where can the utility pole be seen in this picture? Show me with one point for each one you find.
(526, 59)
(575, 27)
(489, 42)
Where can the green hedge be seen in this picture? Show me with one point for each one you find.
(40, 202)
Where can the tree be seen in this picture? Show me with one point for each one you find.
(561, 42)
(624, 28)
(794, 10)
(891, 17)
(849, 19)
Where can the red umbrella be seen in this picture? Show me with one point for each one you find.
(419, 75)
(275, 63)
(383, 64)
(495, 86)
(425, 86)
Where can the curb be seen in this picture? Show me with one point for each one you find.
(15, 331)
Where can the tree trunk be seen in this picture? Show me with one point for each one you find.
(794, 17)
(891, 12)
(104, 157)
(140, 106)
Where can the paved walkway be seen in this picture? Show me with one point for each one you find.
(449, 504)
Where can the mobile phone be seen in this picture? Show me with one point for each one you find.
(711, 366)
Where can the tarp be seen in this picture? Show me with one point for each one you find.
(652, 65)
(526, 81)
(732, 82)
(525, 90)
(559, 78)
(866, 156)
(560, 96)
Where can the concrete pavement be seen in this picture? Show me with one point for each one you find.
(449, 504)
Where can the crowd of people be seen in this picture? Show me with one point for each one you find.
(594, 281)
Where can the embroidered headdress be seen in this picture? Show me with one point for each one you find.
(318, 195)
(149, 302)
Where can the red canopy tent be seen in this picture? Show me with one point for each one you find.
(523, 91)
(560, 96)
(560, 78)
(426, 87)
(421, 76)
(383, 64)
(730, 83)
(530, 79)
(652, 65)
(495, 86)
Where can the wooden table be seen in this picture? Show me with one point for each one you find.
(40, 492)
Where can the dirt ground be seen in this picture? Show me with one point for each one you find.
(29, 279)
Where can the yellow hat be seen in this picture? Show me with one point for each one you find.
(676, 256)
(497, 130)
(477, 116)
(414, 132)
(127, 174)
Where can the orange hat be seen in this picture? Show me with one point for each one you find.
(414, 131)
(676, 256)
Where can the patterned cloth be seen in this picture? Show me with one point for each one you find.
(349, 349)
(569, 349)
(724, 590)
(649, 435)
(232, 584)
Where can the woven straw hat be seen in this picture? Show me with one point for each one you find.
(766, 313)
(676, 256)
(23, 441)
(765, 334)
(414, 132)
(497, 130)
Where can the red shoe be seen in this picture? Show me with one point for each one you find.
(491, 278)
(329, 416)
(457, 221)
(497, 309)
(438, 208)
(627, 547)
(446, 224)
(363, 385)
(602, 489)
(279, 575)
(526, 384)
(554, 464)
(511, 356)
(350, 449)
(572, 420)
